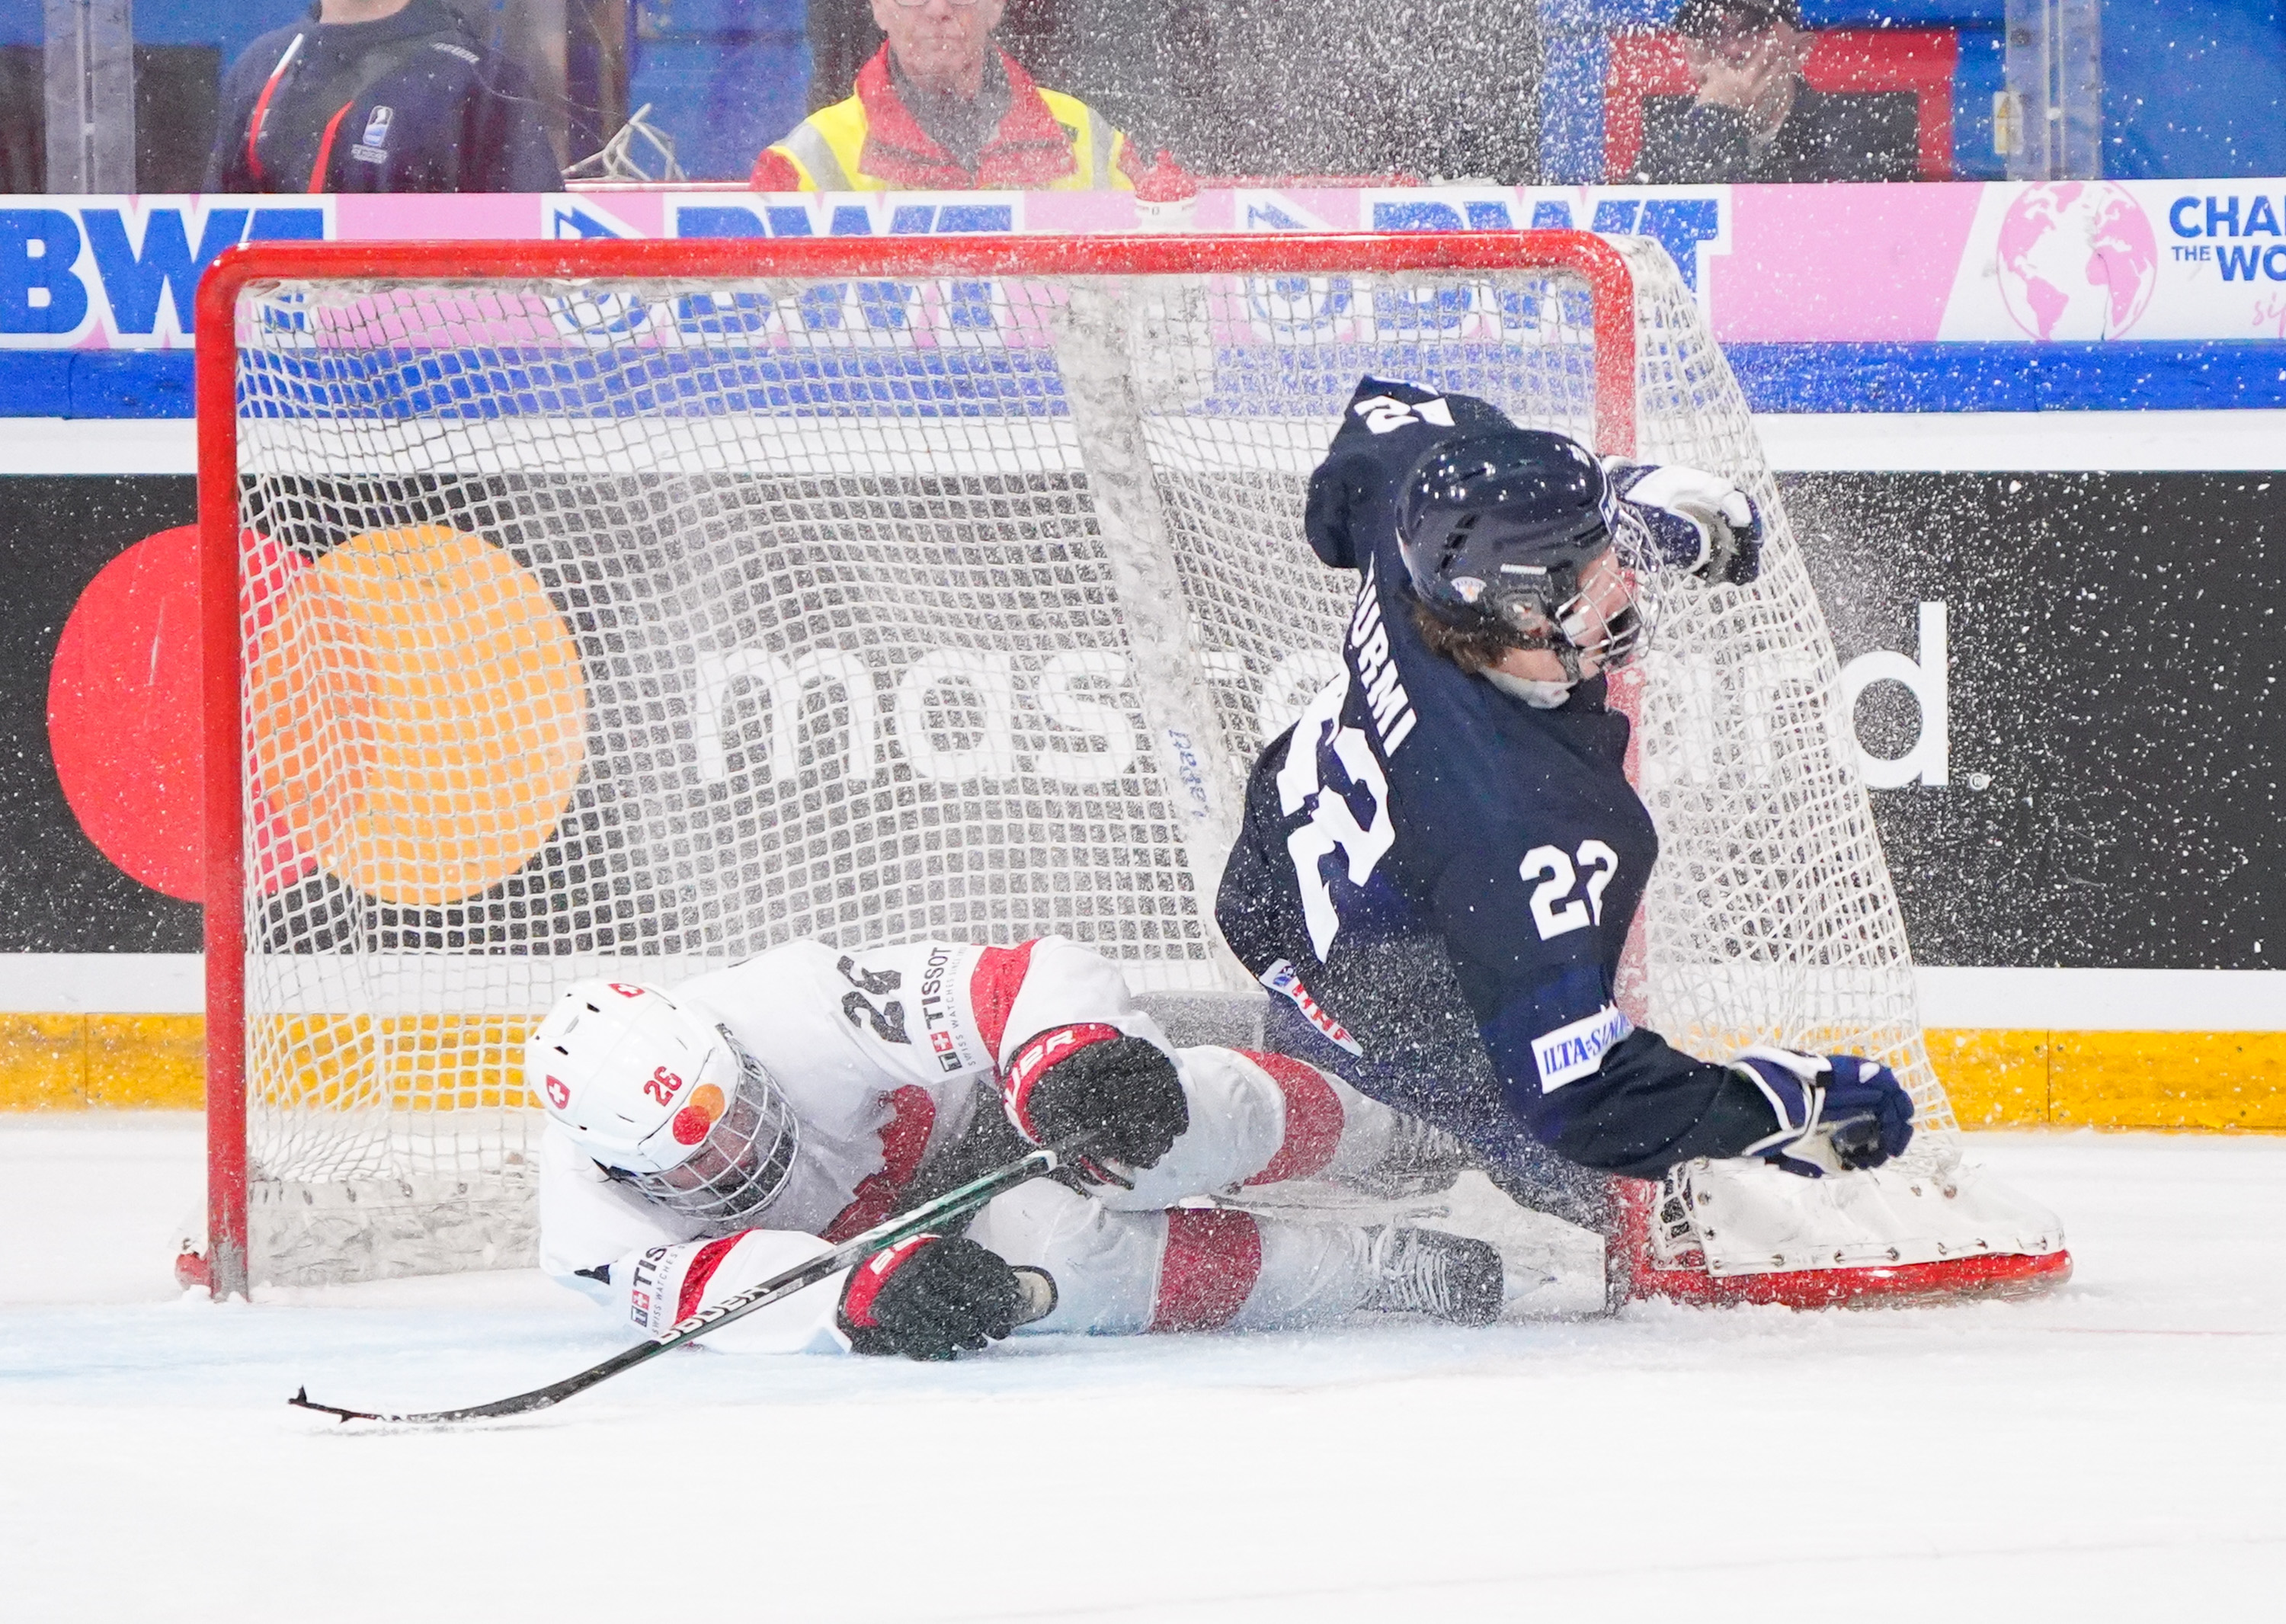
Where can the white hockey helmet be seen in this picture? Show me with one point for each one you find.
(664, 1097)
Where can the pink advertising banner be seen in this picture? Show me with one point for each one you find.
(2170, 260)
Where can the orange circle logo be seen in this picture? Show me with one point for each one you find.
(418, 714)
(696, 1120)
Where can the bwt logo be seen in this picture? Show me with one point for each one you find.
(818, 218)
(129, 271)
(1688, 227)
(887, 308)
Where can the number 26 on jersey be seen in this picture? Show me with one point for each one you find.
(1555, 909)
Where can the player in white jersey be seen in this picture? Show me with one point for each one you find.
(703, 1138)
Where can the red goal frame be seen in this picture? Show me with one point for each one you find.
(224, 1268)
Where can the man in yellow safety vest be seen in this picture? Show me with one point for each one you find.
(941, 107)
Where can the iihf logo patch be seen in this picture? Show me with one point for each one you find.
(375, 147)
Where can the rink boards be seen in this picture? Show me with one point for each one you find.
(2182, 1031)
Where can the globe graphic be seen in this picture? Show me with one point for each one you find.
(2077, 260)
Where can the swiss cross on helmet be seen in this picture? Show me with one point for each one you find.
(664, 1097)
(1499, 529)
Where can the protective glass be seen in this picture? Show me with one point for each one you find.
(742, 1164)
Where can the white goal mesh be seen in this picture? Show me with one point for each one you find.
(636, 626)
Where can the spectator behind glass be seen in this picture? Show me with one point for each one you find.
(1756, 119)
(378, 96)
(941, 108)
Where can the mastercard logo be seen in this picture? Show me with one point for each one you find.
(696, 1119)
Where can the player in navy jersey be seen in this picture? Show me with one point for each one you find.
(1440, 860)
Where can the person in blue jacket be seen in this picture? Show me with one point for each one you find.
(378, 96)
(1440, 860)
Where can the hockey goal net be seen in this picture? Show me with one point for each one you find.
(630, 608)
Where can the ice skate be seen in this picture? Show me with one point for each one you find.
(1430, 1272)
(1422, 1159)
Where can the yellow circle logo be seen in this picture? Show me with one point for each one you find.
(419, 714)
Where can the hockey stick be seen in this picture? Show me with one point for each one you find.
(952, 1203)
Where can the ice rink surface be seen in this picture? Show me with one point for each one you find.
(2113, 1451)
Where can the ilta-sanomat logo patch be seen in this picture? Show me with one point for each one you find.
(1572, 1052)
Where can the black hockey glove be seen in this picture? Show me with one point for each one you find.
(929, 1298)
(1835, 1115)
(1121, 1091)
(1699, 522)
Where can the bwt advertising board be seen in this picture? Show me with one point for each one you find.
(2071, 260)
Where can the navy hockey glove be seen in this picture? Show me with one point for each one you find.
(1092, 1079)
(929, 1298)
(1698, 521)
(1835, 1114)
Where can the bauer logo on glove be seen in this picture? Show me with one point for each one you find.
(1121, 1093)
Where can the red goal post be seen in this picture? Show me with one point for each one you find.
(1599, 267)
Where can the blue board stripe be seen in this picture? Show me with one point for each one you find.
(1776, 378)
(97, 384)
(555, 380)
(2003, 377)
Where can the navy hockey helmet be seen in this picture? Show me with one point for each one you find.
(1497, 531)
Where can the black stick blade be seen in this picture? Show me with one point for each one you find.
(302, 1400)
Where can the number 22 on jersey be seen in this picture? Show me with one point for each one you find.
(1554, 909)
(1322, 748)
